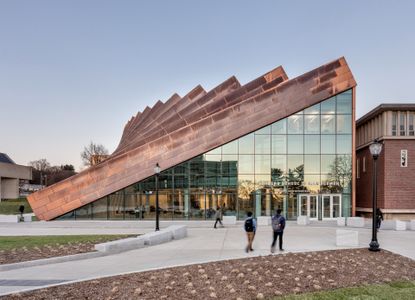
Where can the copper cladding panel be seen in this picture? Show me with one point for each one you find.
(193, 139)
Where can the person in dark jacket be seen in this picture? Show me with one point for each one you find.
(250, 229)
(379, 218)
(278, 225)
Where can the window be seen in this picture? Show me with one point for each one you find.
(358, 168)
(402, 123)
(394, 122)
(364, 164)
(411, 124)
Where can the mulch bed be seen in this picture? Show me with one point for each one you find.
(47, 251)
(249, 278)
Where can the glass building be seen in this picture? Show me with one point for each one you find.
(301, 164)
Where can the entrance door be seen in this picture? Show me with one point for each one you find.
(331, 206)
(308, 205)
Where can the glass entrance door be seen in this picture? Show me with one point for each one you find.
(308, 205)
(331, 206)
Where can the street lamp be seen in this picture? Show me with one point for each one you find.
(375, 149)
(157, 173)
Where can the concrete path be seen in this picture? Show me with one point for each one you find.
(202, 245)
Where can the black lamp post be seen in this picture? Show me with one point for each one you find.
(157, 173)
(375, 149)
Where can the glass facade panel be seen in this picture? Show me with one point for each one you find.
(304, 155)
(295, 144)
(328, 124)
(295, 124)
(279, 127)
(344, 124)
(279, 144)
(312, 144)
(262, 144)
(312, 124)
(247, 144)
(263, 164)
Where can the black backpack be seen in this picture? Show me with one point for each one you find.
(249, 225)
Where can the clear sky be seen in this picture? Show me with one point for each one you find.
(75, 71)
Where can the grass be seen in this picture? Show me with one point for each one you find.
(11, 207)
(402, 290)
(14, 242)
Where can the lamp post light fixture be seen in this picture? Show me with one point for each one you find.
(157, 173)
(375, 149)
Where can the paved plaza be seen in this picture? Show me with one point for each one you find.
(203, 244)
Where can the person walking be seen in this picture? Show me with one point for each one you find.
(250, 229)
(218, 217)
(278, 225)
(379, 218)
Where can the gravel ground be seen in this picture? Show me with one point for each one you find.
(47, 251)
(249, 278)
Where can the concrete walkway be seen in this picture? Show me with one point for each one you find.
(202, 245)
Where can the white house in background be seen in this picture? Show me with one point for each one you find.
(10, 175)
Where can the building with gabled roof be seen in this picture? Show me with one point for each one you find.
(270, 143)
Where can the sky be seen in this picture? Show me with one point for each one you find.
(75, 71)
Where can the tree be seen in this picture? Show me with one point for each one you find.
(93, 154)
(40, 165)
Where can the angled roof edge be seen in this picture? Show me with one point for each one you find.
(193, 139)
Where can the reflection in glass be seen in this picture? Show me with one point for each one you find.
(312, 164)
(327, 163)
(279, 127)
(313, 110)
(279, 144)
(116, 206)
(312, 124)
(264, 130)
(246, 144)
(327, 124)
(344, 103)
(328, 106)
(344, 124)
(246, 164)
(312, 144)
(262, 181)
(328, 144)
(294, 161)
(312, 183)
(262, 144)
(295, 124)
(344, 144)
(279, 162)
(262, 164)
(230, 148)
(99, 209)
(84, 212)
(295, 144)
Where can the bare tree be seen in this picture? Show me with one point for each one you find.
(93, 154)
(41, 165)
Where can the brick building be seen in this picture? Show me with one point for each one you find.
(393, 125)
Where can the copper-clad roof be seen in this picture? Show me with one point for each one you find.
(181, 128)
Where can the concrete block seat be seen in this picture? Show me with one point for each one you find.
(263, 220)
(9, 218)
(356, 222)
(303, 220)
(177, 231)
(393, 225)
(157, 237)
(121, 245)
(347, 238)
(341, 221)
(412, 225)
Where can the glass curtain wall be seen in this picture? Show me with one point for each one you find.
(308, 153)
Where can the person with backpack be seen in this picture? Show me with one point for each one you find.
(250, 229)
(218, 217)
(278, 225)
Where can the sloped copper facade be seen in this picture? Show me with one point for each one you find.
(181, 128)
